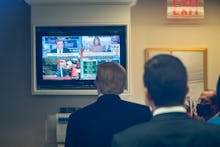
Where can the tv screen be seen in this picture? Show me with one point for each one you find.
(66, 57)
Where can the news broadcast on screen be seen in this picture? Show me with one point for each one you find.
(76, 57)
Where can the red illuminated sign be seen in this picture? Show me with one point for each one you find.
(185, 9)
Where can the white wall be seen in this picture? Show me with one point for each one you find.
(151, 29)
(81, 14)
(23, 115)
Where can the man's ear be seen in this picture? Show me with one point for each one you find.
(187, 88)
(187, 91)
(147, 95)
(149, 100)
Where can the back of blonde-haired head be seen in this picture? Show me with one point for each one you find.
(111, 78)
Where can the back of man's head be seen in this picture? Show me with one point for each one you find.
(111, 78)
(165, 77)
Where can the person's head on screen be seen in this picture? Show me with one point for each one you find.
(96, 41)
(110, 78)
(96, 47)
(165, 81)
(59, 44)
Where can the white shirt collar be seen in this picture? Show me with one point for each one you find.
(217, 114)
(99, 95)
(171, 109)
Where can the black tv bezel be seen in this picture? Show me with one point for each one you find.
(40, 31)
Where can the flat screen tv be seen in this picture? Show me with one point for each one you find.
(66, 56)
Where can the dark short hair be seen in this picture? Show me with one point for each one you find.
(214, 99)
(111, 78)
(165, 77)
(218, 92)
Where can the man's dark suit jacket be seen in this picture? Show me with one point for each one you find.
(169, 130)
(94, 125)
(65, 50)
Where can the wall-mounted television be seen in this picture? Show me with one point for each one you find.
(65, 57)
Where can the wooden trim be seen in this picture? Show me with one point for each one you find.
(204, 50)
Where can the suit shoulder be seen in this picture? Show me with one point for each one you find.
(83, 111)
(137, 109)
(66, 50)
(53, 51)
(210, 127)
(137, 106)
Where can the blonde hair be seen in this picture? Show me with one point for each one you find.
(110, 78)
